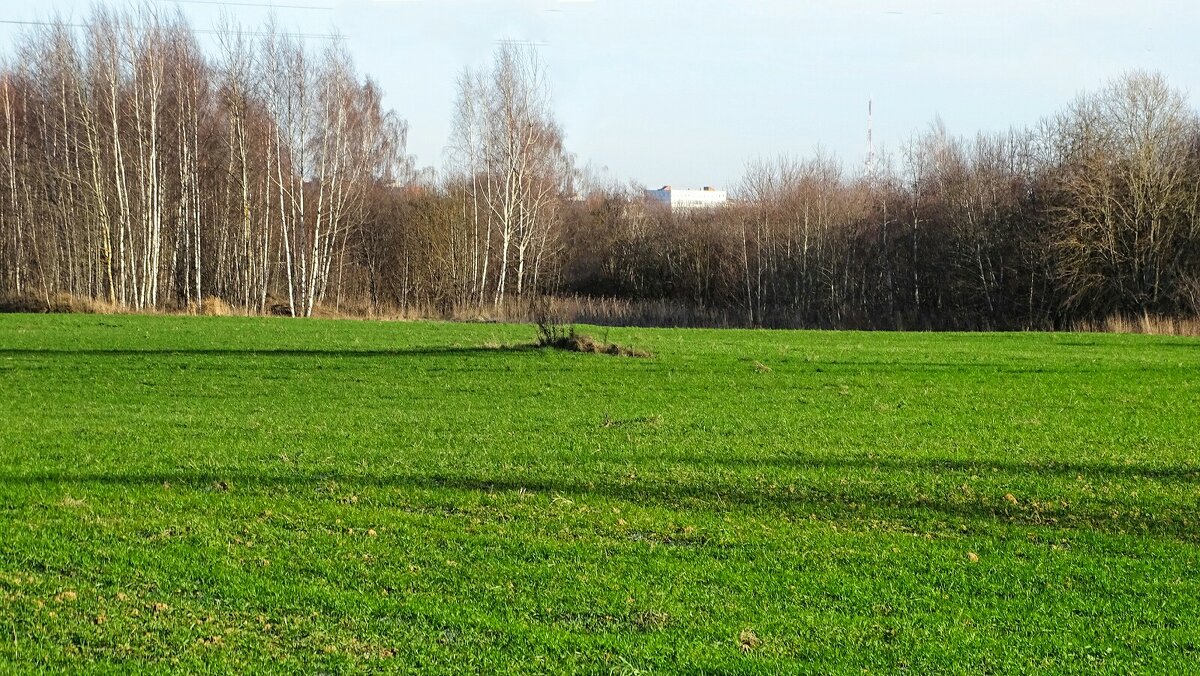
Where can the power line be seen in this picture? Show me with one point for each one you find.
(198, 31)
(522, 43)
(226, 3)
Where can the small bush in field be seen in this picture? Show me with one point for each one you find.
(567, 338)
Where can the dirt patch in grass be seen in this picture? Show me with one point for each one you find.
(554, 331)
(570, 340)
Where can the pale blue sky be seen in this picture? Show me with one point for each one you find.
(687, 92)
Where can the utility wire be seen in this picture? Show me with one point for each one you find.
(247, 4)
(521, 43)
(198, 31)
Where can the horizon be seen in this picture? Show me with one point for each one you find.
(703, 122)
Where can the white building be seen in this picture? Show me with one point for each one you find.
(705, 198)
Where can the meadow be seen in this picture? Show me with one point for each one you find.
(258, 495)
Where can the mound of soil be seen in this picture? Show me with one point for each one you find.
(581, 342)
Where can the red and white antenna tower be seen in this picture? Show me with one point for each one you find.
(870, 162)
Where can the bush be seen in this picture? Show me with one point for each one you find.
(562, 337)
(23, 304)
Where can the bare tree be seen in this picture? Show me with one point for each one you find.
(509, 151)
(1127, 207)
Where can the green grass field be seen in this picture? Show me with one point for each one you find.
(255, 495)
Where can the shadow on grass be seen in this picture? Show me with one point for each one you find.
(982, 468)
(854, 503)
(247, 352)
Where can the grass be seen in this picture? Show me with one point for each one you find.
(271, 495)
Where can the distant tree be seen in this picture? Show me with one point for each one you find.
(1125, 219)
(508, 153)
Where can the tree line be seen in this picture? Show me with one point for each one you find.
(139, 170)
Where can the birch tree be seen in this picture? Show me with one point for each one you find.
(510, 155)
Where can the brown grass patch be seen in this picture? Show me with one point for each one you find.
(213, 306)
(90, 306)
(650, 620)
(748, 640)
(563, 310)
(1148, 324)
(571, 340)
(58, 303)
